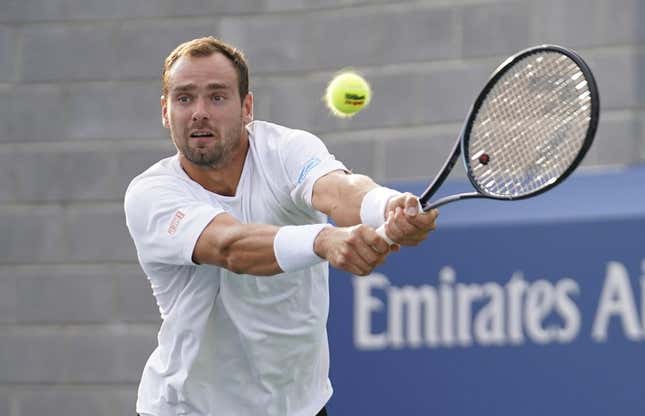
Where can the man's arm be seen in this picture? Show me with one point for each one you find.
(251, 248)
(168, 225)
(240, 248)
(340, 195)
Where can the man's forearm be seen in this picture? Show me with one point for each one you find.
(339, 195)
(257, 249)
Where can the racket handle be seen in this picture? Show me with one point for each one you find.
(381, 230)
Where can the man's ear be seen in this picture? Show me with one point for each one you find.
(247, 108)
(164, 112)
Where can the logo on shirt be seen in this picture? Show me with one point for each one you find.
(175, 222)
(311, 163)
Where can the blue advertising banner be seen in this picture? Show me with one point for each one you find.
(527, 308)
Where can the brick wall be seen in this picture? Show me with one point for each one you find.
(79, 118)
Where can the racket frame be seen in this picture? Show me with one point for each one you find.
(461, 145)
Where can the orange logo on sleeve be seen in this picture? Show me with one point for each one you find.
(175, 222)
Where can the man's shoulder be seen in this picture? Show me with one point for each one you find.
(163, 171)
(268, 130)
(272, 136)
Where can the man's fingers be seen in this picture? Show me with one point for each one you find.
(372, 239)
(350, 260)
(358, 250)
(393, 225)
(425, 221)
(411, 205)
(364, 247)
(407, 202)
(365, 259)
(406, 224)
(409, 230)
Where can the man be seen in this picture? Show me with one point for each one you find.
(232, 233)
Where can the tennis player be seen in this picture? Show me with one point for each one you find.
(232, 233)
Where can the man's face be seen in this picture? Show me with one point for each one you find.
(203, 109)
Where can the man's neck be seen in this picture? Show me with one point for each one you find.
(221, 180)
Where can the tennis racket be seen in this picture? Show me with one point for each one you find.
(529, 128)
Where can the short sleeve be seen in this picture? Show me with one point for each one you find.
(165, 219)
(306, 159)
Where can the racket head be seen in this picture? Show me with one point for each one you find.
(532, 124)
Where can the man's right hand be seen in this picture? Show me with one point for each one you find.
(358, 249)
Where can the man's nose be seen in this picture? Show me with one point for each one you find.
(200, 111)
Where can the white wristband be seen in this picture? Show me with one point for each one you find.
(374, 204)
(294, 246)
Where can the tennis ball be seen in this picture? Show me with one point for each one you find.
(347, 94)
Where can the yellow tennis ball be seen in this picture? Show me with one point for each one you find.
(347, 94)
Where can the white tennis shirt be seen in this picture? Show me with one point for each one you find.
(231, 344)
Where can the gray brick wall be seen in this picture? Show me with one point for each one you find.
(79, 117)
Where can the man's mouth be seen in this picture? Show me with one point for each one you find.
(201, 133)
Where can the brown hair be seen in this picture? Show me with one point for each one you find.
(204, 47)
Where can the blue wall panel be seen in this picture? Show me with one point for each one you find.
(529, 308)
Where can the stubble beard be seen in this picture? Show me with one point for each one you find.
(218, 154)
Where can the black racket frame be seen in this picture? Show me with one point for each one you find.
(461, 146)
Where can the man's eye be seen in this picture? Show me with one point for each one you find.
(183, 99)
(218, 98)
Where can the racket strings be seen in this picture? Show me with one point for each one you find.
(531, 125)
